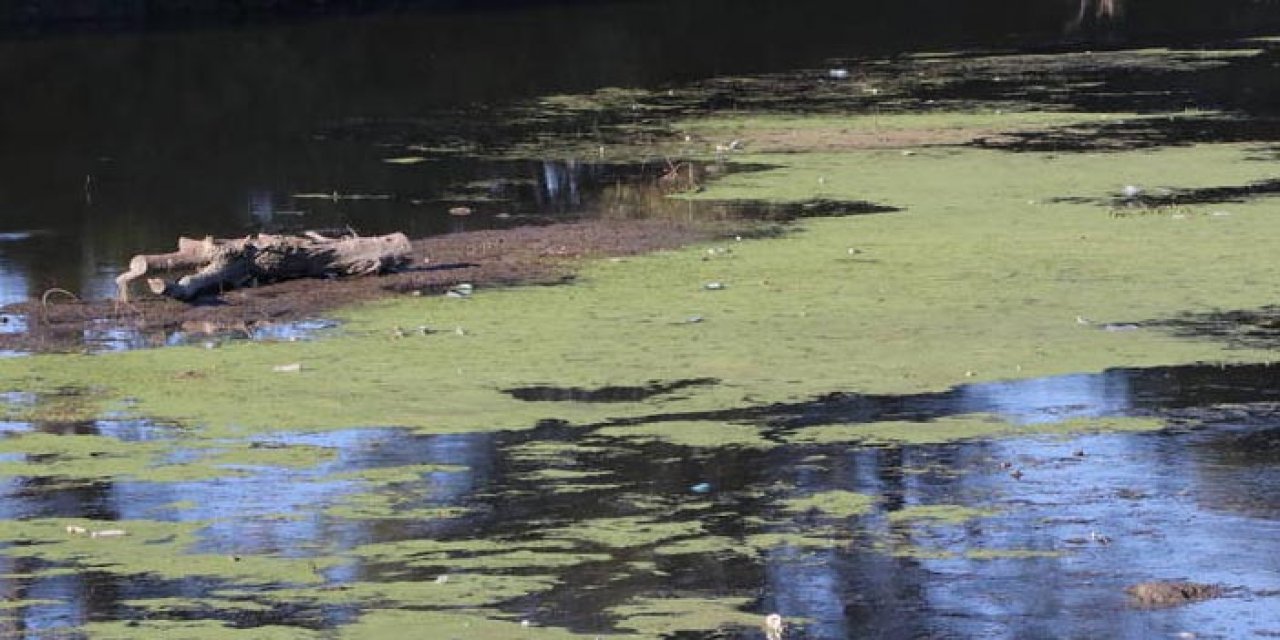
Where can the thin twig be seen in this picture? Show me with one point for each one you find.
(44, 299)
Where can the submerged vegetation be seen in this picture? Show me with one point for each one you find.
(441, 484)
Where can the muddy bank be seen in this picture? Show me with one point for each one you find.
(540, 255)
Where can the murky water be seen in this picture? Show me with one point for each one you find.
(1045, 554)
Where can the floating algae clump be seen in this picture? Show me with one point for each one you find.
(964, 427)
(937, 514)
(840, 504)
(657, 617)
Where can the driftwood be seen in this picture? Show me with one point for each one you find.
(227, 264)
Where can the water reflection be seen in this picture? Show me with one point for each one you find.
(1052, 399)
(944, 586)
(1026, 563)
(1114, 392)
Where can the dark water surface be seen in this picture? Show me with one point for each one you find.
(1049, 556)
(116, 143)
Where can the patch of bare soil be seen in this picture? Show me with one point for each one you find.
(1171, 593)
(521, 256)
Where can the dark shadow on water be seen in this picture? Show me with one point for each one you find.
(790, 211)
(1138, 134)
(1168, 200)
(1114, 392)
(605, 394)
(1247, 328)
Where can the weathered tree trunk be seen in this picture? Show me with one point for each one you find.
(227, 264)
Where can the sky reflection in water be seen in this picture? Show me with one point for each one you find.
(1193, 504)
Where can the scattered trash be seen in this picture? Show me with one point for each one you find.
(838, 74)
(463, 290)
(713, 286)
(293, 367)
(405, 160)
(701, 487)
(441, 579)
(460, 331)
(1131, 191)
(773, 627)
(693, 319)
(1120, 327)
(735, 145)
(76, 530)
(336, 196)
(460, 211)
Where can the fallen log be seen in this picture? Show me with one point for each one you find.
(228, 264)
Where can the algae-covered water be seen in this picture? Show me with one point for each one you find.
(906, 519)
(1039, 374)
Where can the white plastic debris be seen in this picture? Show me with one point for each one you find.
(460, 291)
(773, 627)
